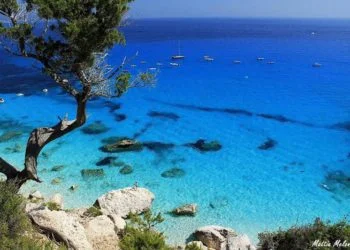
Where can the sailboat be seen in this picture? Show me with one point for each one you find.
(178, 56)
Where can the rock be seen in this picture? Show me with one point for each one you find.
(101, 233)
(158, 147)
(95, 128)
(119, 222)
(86, 173)
(30, 207)
(166, 115)
(198, 244)
(268, 144)
(127, 169)
(9, 135)
(36, 196)
(120, 117)
(58, 200)
(123, 201)
(220, 238)
(204, 146)
(107, 161)
(174, 173)
(187, 210)
(63, 227)
(57, 168)
(122, 145)
(56, 181)
(73, 187)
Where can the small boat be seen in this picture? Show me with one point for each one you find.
(2, 100)
(316, 65)
(152, 68)
(143, 62)
(246, 77)
(260, 59)
(208, 58)
(325, 187)
(174, 64)
(133, 65)
(159, 64)
(271, 62)
(19, 94)
(313, 33)
(45, 90)
(178, 56)
(237, 62)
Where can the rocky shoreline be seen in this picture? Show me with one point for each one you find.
(101, 225)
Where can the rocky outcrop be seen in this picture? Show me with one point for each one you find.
(185, 210)
(58, 200)
(220, 238)
(123, 201)
(122, 145)
(64, 228)
(101, 233)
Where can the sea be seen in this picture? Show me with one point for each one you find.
(275, 96)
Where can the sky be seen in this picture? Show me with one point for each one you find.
(241, 8)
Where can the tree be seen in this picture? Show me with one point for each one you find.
(69, 39)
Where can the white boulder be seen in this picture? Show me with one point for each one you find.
(123, 201)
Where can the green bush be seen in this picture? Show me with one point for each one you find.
(93, 212)
(192, 247)
(53, 206)
(140, 233)
(326, 235)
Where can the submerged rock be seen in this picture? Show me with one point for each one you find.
(174, 173)
(122, 145)
(123, 201)
(166, 115)
(185, 210)
(95, 128)
(220, 238)
(56, 181)
(158, 147)
(15, 149)
(204, 146)
(10, 135)
(57, 168)
(342, 126)
(268, 144)
(126, 170)
(99, 172)
(120, 117)
(337, 182)
(107, 161)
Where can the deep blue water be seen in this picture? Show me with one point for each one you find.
(241, 105)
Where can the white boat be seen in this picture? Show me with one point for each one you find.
(143, 62)
(178, 56)
(19, 94)
(208, 58)
(260, 59)
(237, 62)
(271, 62)
(45, 90)
(316, 65)
(174, 64)
(152, 68)
(133, 65)
(159, 64)
(2, 100)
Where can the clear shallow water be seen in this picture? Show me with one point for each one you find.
(239, 186)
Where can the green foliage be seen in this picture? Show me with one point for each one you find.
(93, 212)
(140, 233)
(147, 77)
(53, 206)
(192, 247)
(13, 220)
(123, 83)
(302, 237)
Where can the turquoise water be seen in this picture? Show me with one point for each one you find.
(240, 186)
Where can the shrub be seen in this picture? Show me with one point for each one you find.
(53, 206)
(13, 220)
(192, 246)
(140, 233)
(93, 212)
(303, 237)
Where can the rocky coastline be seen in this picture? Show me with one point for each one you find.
(101, 225)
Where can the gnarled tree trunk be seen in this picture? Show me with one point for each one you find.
(38, 139)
